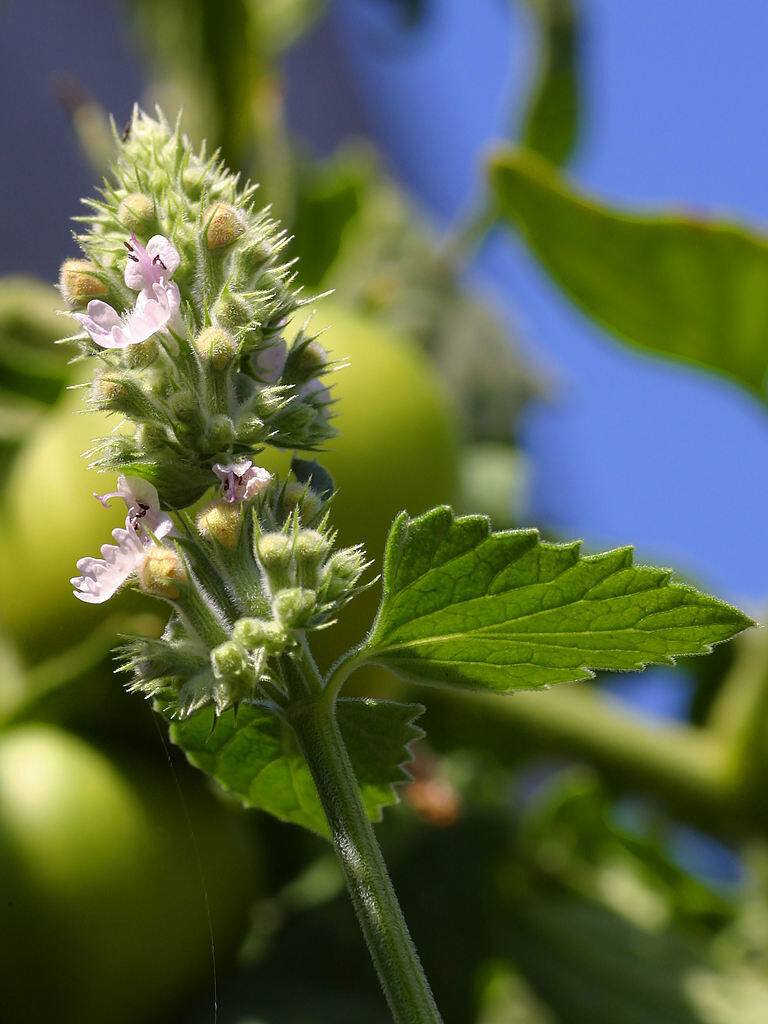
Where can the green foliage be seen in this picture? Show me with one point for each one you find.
(551, 124)
(506, 611)
(388, 265)
(688, 288)
(254, 754)
(33, 373)
(213, 57)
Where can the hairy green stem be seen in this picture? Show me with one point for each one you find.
(378, 911)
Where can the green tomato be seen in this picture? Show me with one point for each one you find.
(104, 911)
(397, 449)
(48, 519)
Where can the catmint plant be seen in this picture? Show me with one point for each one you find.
(183, 297)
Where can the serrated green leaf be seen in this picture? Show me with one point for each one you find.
(551, 120)
(684, 286)
(254, 754)
(507, 611)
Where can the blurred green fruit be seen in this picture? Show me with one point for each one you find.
(397, 449)
(48, 519)
(107, 885)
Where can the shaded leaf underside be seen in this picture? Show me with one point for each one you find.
(254, 754)
(686, 286)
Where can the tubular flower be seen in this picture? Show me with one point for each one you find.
(148, 271)
(242, 480)
(144, 524)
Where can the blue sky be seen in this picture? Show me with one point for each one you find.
(633, 450)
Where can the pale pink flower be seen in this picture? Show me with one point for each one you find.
(153, 265)
(142, 503)
(315, 392)
(270, 361)
(145, 523)
(242, 480)
(157, 305)
(152, 313)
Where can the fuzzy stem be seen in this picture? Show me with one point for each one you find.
(394, 955)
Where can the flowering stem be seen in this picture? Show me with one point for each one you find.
(378, 911)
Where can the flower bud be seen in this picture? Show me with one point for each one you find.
(162, 572)
(342, 572)
(78, 283)
(232, 311)
(184, 405)
(300, 495)
(136, 212)
(274, 549)
(221, 521)
(224, 225)
(140, 355)
(192, 181)
(311, 545)
(229, 659)
(253, 633)
(313, 356)
(252, 431)
(293, 608)
(150, 436)
(216, 346)
(219, 434)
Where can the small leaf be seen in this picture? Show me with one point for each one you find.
(254, 754)
(689, 288)
(507, 611)
(551, 120)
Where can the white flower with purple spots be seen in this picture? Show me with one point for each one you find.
(145, 523)
(148, 271)
(242, 480)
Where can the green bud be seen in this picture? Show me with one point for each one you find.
(294, 608)
(313, 356)
(125, 392)
(274, 550)
(311, 544)
(150, 436)
(136, 212)
(342, 572)
(192, 181)
(300, 495)
(162, 572)
(232, 311)
(252, 431)
(140, 355)
(252, 633)
(216, 346)
(221, 521)
(224, 225)
(219, 434)
(184, 405)
(79, 284)
(229, 659)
